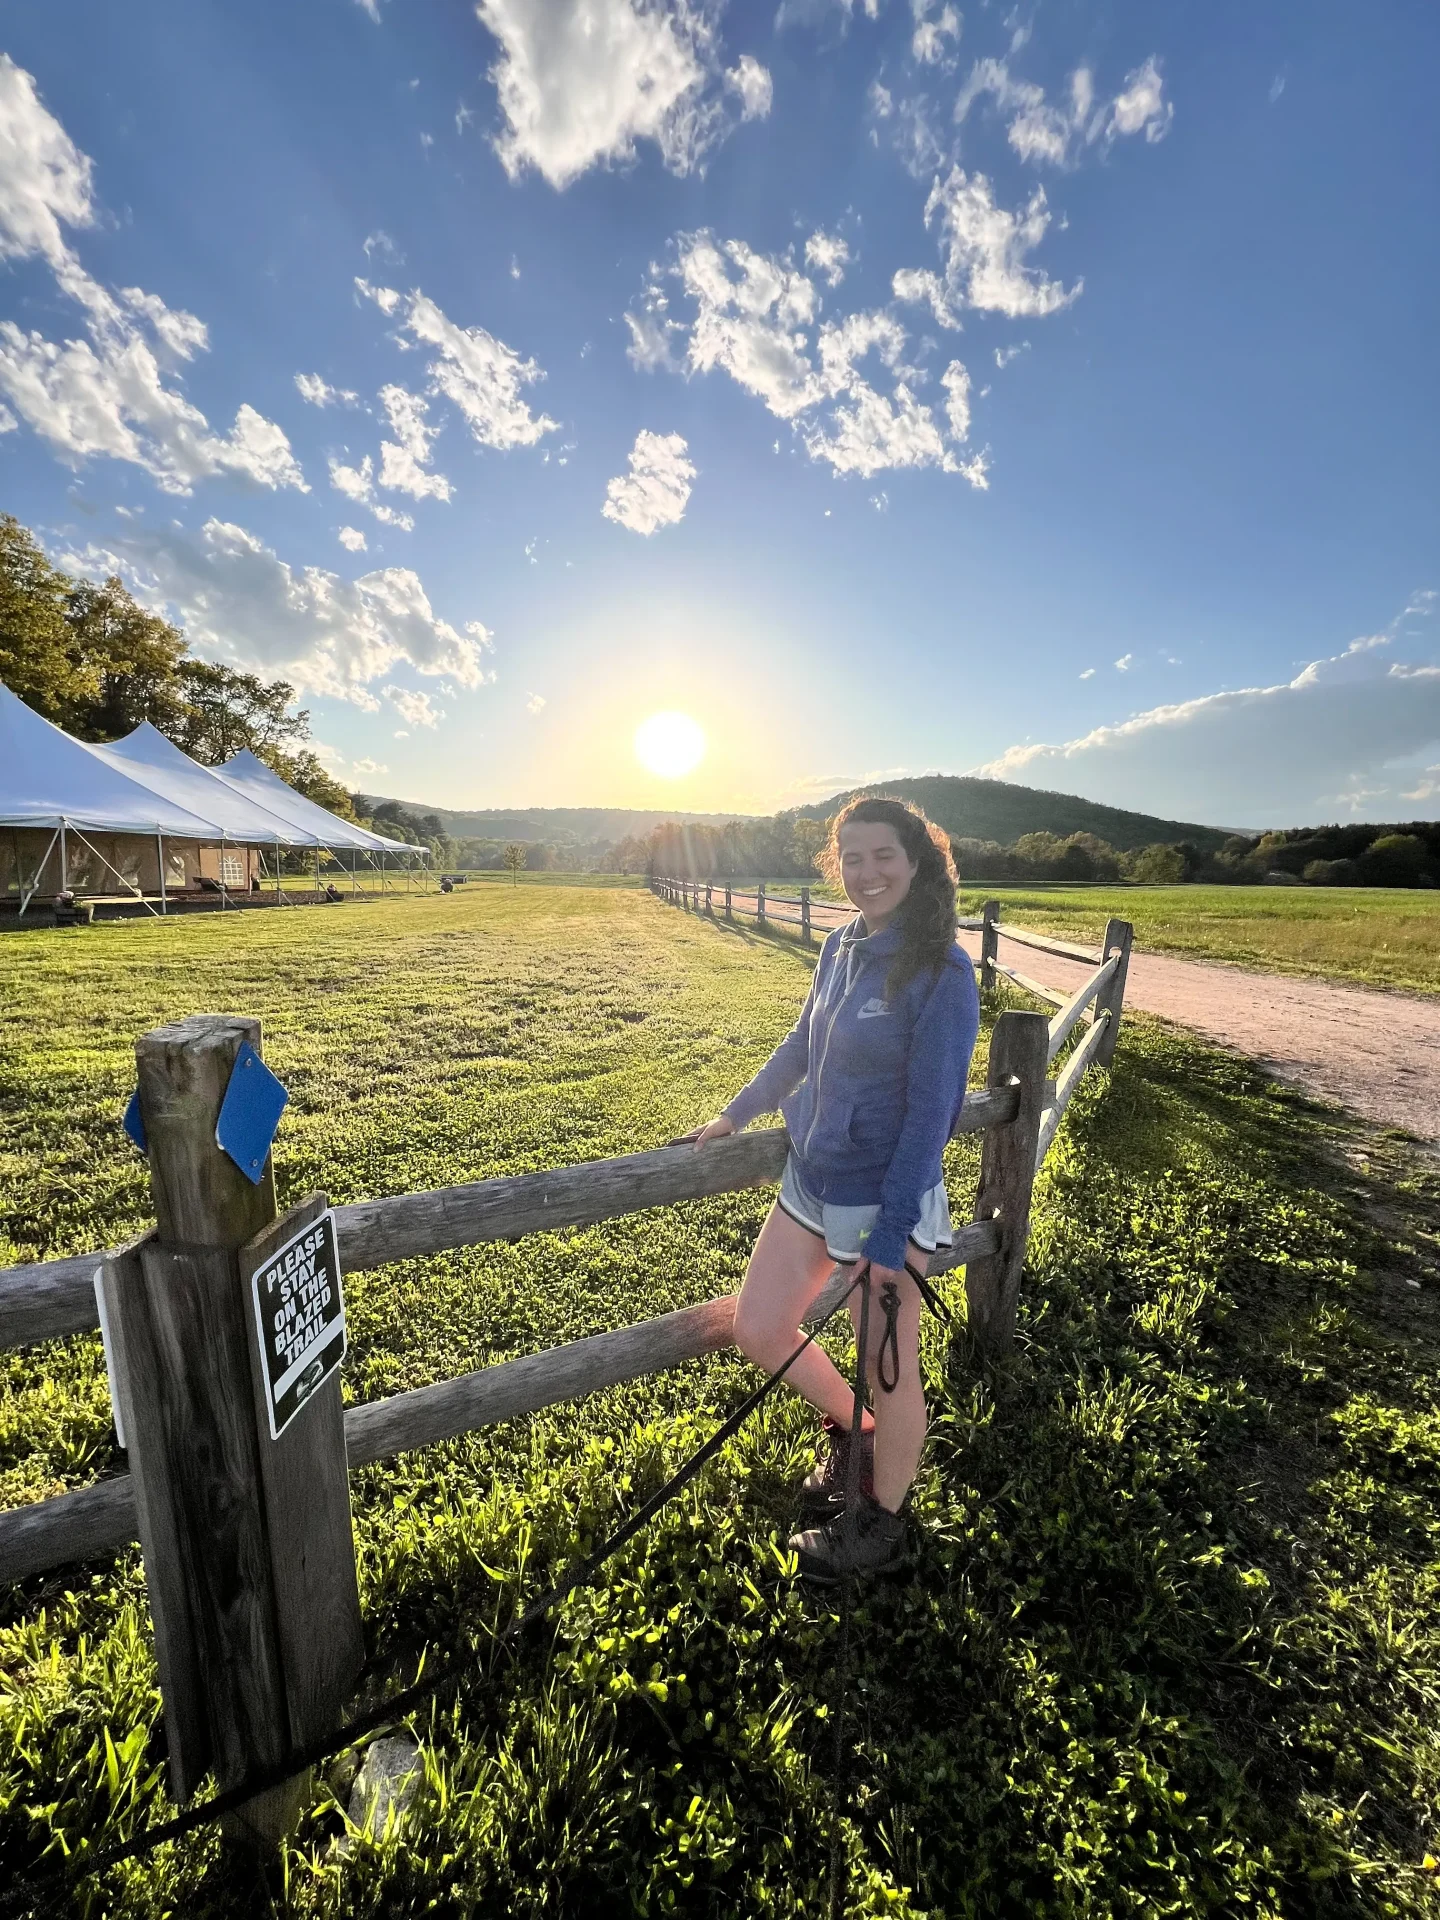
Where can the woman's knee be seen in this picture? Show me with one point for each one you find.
(756, 1332)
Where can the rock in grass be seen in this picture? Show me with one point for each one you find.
(386, 1783)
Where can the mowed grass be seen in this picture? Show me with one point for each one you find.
(1170, 1647)
(1382, 936)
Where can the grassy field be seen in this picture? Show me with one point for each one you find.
(1383, 936)
(1171, 1645)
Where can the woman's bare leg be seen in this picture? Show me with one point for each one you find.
(787, 1269)
(900, 1415)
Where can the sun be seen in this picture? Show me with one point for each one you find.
(669, 744)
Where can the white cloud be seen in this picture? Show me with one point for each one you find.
(414, 707)
(755, 88)
(1004, 355)
(581, 82)
(370, 8)
(1056, 135)
(935, 39)
(379, 246)
(914, 137)
(1122, 665)
(752, 311)
(985, 248)
(106, 395)
(1088, 674)
(1344, 731)
(829, 254)
(361, 768)
(45, 181)
(404, 460)
(353, 540)
(480, 376)
(656, 490)
(756, 319)
(1142, 107)
(356, 483)
(240, 602)
(536, 703)
(8, 422)
(317, 392)
(919, 286)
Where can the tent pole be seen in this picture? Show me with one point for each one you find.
(160, 856)
(109, 869)
(26, 898)
(64, 860)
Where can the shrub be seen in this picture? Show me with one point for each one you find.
(1394, 860)
(1332, 873)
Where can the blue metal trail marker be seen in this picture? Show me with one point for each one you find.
(133, 1122)
(250, 1113)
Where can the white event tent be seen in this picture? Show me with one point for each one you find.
(140, 817)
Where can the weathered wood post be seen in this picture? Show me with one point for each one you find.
(729, 904)
(1119, 935)
(989, 942)
(805, 915)
(249, 1559)
(760, 903)
(1007, 1173)
(710, 898)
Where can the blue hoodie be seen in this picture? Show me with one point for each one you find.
(871, 1089)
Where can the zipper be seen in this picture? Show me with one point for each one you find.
(825, 1050)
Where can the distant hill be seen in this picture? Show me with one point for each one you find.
(976, 809)
(558, 826)
(965, 806)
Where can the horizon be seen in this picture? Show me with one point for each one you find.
(876, 388)
(721, 814)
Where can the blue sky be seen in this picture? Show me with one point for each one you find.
(1044, 390)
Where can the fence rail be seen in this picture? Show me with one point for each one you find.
(729, 900)
(246, 1532)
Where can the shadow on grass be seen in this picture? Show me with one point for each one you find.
(1174, 1614)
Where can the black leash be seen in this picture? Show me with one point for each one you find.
(839, 1780)
(458, 1667)
(887, 1361)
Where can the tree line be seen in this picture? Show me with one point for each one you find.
(87, 656)
(786, 847)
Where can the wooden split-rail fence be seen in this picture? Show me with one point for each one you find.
(246, 1533)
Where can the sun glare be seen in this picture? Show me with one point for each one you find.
(669, 744)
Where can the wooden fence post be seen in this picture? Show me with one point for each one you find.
(989, 941)
(805, 915)
(184, 1331)
(710, 899)
(760, 903)
(729, 905)
(1119, 934)
(1007, 1173)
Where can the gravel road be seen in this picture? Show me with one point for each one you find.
(1376, 1053)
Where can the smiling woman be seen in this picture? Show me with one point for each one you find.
(669, 744)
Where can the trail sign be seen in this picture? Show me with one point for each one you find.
(300, 1317)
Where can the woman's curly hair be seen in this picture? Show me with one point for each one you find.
(926, 916)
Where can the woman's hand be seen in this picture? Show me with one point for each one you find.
(713, 1130)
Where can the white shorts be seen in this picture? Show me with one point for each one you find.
(845, 1229)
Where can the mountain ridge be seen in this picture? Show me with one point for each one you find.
(964, 804)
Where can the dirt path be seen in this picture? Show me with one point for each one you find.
(1376, 1053)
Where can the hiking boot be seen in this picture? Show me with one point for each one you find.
(877, 1543)
(822, 1492)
